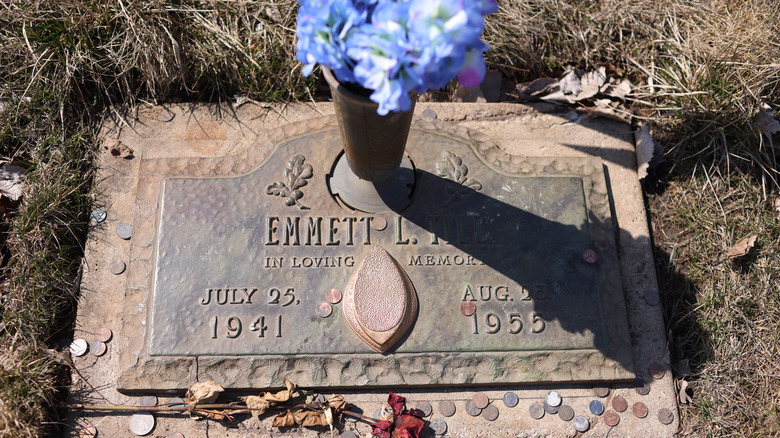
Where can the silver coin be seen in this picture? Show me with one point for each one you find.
(439, 426)
(148, 400)
(177, 402)
(665, 416)
(553, 399)
(581, 423)
(142, 423)
(124, 231)
(429, 114)
(471, 409)
(550, 409)
(510, 399)
(116, 267)
(98, 215)
(536, 410)
(652, 298)
(447, 408)
(79, 347)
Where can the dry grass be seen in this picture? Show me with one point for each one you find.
(700, 68)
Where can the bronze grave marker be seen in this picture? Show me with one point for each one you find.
(236, 261)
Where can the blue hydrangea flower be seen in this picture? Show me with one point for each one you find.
(394, 47)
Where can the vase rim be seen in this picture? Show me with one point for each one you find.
(331, 79)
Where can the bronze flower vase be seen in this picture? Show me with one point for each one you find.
(374, 174)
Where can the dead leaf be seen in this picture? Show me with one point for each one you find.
(260, 404)
(283, 395)
(213, 414)
(300, 417)
(618, 88)
(203, 392)
(742, 247)
(766, 123)
(684, 397)
(645, 148)
(11, 185)
(338, 403)
(117, 148)
(575, 86)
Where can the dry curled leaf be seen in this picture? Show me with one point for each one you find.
(260, 404)
(338, 403)
(214, 414)
(684, 397)
(11, 185)
(645, 148)
(203, 392)
(766, 123)
(742, 247)
(300, 417)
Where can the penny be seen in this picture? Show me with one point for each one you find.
(619, 403)
(553, 399)
(490, 413)
(439, 426)
(656, 370)
(324, 310)
(641, 387)
(581, 423)
(116, 267)
(471, 409)
(424, 407)
(176, 435)
(536, 410)
(78, 347)
(596, 408)
(333, 296)
(611, 418)
(640, 410)
(467, 308)
(447, 408)
(148, 400)
(88, 431)
(98, 215)
(379, 223)
(510, 399)
(601, 391)
(550, 409)
(125, 231)
(141, 423)
(98, 348)
(665, 416)
(104, 334)
(652, 298)
(590, 256)
(566, 412)
(480, 400)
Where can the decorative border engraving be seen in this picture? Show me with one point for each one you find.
(295, 175)
(140, 371)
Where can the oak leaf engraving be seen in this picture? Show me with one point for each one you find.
(452, 167)
(295, 175)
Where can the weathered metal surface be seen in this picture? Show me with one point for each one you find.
(232, 256)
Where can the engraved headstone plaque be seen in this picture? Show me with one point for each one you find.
(232, 256)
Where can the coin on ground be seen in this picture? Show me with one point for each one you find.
(640, 410)
(601, 391)
(439, 426)
(98, 348)
(78, 347)
(148, 400)
(490, 413)
(480, 400)
(611, 418)
(124, 231)
(665, 416)
(550, 409)
(553, 399)
(596, 408)
(116, 267)
(142, 423)
(581, 423)
(88, 431)
(619, 403)
(447, 408)
(510, 399)
(176, 401)
(536, 410)
(104, 334)
(641, 387)
(471, 409)
(333, 296)
(656, 370)
(324, 310)
(566, 412)
(590, 256)
(424, 407)
(98, 215)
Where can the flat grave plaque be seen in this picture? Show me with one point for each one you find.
(236, 262)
